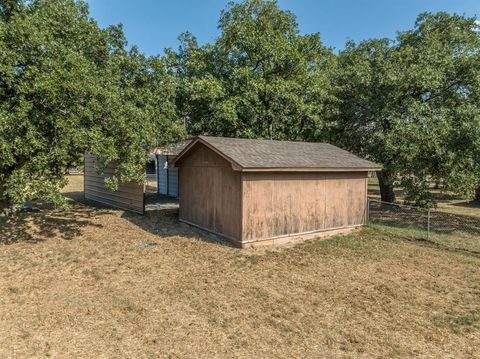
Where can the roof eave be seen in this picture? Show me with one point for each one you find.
(306, 169)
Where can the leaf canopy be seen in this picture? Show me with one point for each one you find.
(67, 86)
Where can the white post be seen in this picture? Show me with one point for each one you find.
(367, 217)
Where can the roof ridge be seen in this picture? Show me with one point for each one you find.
(263, 139)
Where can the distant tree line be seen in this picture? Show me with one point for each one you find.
(410, 103)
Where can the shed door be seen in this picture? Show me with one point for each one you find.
(173, 181)
(162, 175)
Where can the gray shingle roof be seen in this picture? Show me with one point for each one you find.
(266, 154)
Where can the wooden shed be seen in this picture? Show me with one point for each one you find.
(256, 192)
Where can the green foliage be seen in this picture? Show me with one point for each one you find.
(412, 104)
(67, 86)
(259, 79)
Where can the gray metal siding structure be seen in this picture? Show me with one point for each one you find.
(173, 182)
(167, 176)
(129, 196)
(162, 174)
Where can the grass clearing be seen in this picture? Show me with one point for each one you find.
(76, 284)
(446, 201)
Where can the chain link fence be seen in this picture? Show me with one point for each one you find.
(443, 228)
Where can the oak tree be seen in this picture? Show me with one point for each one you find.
(259, 79)
(67, 86)
(412, 104)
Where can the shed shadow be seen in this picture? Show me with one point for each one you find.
(77, 196)
(165, 223)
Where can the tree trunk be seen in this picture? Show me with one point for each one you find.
(386, 180)
(1, 191)
(3, 202)
(477, 194)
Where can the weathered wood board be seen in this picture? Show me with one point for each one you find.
(251, 206)
(285, 203)
(210, 193)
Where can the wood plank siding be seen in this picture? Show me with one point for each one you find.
(129, 196)
(210, 193)
(286, 203)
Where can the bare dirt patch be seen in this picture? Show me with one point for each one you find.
(95, 293)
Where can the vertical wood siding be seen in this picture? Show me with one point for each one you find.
(346, 199)
(210, 192)
(129, 196)
(287, 203)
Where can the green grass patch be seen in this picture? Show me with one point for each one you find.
(461, 322)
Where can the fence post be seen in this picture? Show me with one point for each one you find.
(428, 225)
(367, 217)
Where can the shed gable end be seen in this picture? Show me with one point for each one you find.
(210, 192)
(199, 155)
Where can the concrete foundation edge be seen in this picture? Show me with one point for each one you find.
(281, 240)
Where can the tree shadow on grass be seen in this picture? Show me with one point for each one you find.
(439, 195)
(468, 204)
(448, 247)
(44, 223)
(450, 231)
(440, 222)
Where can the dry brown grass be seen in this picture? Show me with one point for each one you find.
(91, 292)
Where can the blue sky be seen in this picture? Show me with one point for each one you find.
(154, 25)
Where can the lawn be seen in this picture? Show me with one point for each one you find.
(76, 284)
(446, 201)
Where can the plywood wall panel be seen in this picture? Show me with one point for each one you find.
(202, 156)
(210, 192)
(253, 206)
(287, 203)
(345, 199)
